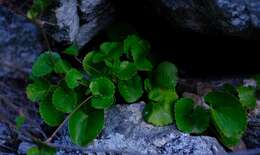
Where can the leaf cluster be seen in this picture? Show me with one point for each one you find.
(115, 68)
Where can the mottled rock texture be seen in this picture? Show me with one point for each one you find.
(20, 44)
(232, 17)
(126, 132)
(79, 21)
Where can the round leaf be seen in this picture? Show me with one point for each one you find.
(44, 64)
(132, 89)
(64, 100)
(166, 75)
(163, 95)
(73, 77)
(102, 86)
(137, 47)
(190, 119)
(72, 50)
(125, 71)
(111, 49)
(159, 114)
(62, 66)
(93, 68)
(37, 90)
(84, 126)
(49, 114)
(143, 64)
(227, 114)
(247, 97)
(102, 102)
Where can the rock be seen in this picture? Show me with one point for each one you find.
(251, 137)
(127, 133)
(20, 44)
(79, 21)
(24, 147)
(230, 17)
(5, 134)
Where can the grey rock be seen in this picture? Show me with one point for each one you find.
(127, 133)
(239, 17)
(79, 21)
(251, 137)
(20, 44)
(5, 134)
(24, 147)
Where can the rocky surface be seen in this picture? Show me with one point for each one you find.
(252, 134)
(228, 16)
(79, 21)
(126, 132)
(20, 44)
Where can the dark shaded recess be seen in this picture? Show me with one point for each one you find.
(195, 54)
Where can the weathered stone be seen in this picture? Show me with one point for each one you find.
(5, 134)
(79, 21)
(24, 147)
(252, 134)
(230, 17)
(127, 133)
(20, 44)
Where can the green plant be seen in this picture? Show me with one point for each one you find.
(227, 108)
(80, 95)
(37, 8)
(189, 117)
(41, 150)
(228, 116)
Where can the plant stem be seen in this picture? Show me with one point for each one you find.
(66, 119)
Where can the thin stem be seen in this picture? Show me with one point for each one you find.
(66, 119)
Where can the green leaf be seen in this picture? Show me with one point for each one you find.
(102, 86)
(19, 121)
(144, 64)
(62, 66)
(228, 88)
(73, 77)
(136, 46)
(112, 49)
(64, 100)
(227, 115)
(49, 114)
(37, 8)
(102, 102)
(132, 89)
(72, 50)
(44, 64)
(93, 68)
(147, 85)
(159, 114)
(247, 96)
(162, 95)
(41, 150)
(229, 141)
(160, 109)
(166, 75)
(125, 71)
(190, 118)
(37, 90)
(84, 126)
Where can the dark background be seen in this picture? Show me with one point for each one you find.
(195, 54)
